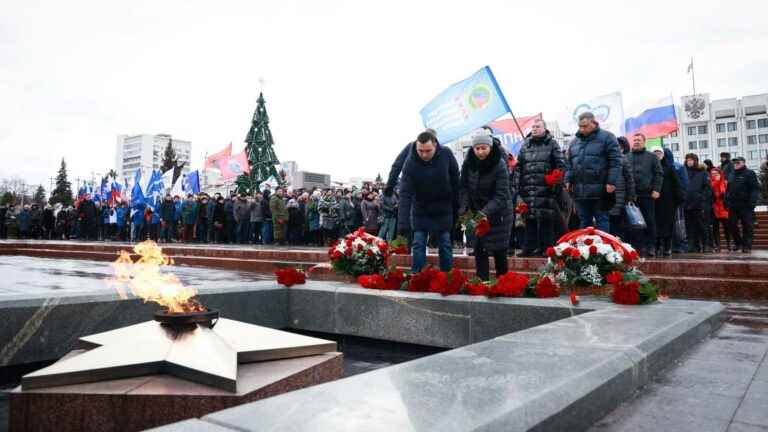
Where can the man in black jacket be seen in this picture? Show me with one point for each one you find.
(698, 198)
(740, 199)
(726, 165)
(167, 213)
(539, 156)
(429, 199)
(593, 169)
(87, 215)
(648, 176)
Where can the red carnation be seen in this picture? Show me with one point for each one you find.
(574, 299)
(394, 280)
(614, 277)
(626, 293)
(546, 288)
(521, 208)
(554, 177)
(336, 255)
(290, 277)
(551, 252)
(588, 242)
(456, 282)
(573, 252)
(477, 288)
(369, 252)
(482, 228)
(348, 252)
(420, 282)
(593, 250)
(438, 283)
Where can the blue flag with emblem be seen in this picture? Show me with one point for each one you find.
(191, 183)
(465, 106)
(155, 190)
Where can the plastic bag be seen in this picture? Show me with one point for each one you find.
(635, 217)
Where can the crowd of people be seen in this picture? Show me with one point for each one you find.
(684, 206)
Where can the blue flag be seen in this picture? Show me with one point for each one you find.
(465, 106)
(192, 183)
(137, 196)
(155, 190)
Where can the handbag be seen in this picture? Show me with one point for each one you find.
(680, 232)
(635, 217)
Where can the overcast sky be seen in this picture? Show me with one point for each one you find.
(345, 80)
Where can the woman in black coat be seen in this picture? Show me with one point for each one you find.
(698, 199)
(485, 188)
(666, 206)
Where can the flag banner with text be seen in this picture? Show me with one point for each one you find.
(465, 106)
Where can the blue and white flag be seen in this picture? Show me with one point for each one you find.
(137, 195)
(155, 190)
(191, 183)
(465, 106)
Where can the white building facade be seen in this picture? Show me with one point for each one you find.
(145, 152)
(708, 128)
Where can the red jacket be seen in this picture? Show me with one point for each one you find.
(718, 194)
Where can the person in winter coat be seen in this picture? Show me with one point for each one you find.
(295, 222)
(593, 169)
(429, 199)
(86, 214)
(329, 217)
(648, 175)
(203, 220)
(189, 217)
(267, 231)
(219, 220)
(256, 217)
(24, 220)
(726, 165)
(49, 222)
(698, 197)
(371, 211)
(167, 215)
(625, 193)
(242, 211)
(485, 190)
(672, 195)
(279, 216)
(313, 218)
(719, 212)
(539, 155)
(3, 215)
(35, 221)
(121, 213)
(741, 197)
(389, 210)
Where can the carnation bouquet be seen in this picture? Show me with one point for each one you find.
(475, 222)
(399, 246)
(291, 276)
(592, 258)
(359, 253)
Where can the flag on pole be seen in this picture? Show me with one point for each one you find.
(137, 195)
(690, 66)
(192, 182)
(155, 190)
(506, 131)
(234, 165)
(178, 187)
(168, 178)
(608, 110)
(465, 106)
(656, 119)
(213, 160)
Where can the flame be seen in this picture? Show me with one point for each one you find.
(145, 279)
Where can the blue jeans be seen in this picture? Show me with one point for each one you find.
(136, 232)
(266, 232)
(387, 231)
(419, 250)
(589, 209)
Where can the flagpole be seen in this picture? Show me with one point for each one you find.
(522, 135)
(693, 77)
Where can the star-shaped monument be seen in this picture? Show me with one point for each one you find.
(200, 354)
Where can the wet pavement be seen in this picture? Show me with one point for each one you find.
(31, 276)
(721, 385)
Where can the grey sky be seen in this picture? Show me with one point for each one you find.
(344, 80)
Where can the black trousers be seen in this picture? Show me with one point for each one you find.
(694, 229)
(716, 223)
(538, 234)
(482, 264)
(745, 216)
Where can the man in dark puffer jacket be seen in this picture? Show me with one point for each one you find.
(593, 169)
(429, 199)
(698, 197)
(741, 199)
(539, 155)
(649, 177)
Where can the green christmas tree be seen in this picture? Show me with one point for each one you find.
(62, 193)
(261, 154)
(39, 197)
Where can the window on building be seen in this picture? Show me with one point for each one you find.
(753, 154)
(763, 139)
(675, 146)
(762, 123)
(692, 130)
(751, 124)
(703, 144)
(751, 139)
(693, 145)
(731, 126)
(673, 134)
(733, 141)
(703, 130)
(721, 142)
(720, 127)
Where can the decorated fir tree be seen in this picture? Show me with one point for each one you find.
(261, 154)
(62, 193)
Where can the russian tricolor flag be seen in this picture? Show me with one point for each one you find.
(658, 119)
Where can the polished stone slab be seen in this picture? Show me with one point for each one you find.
(562, 375)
